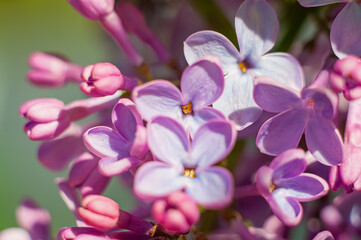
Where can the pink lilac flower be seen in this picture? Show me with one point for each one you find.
(345, 77)
(201, 84)
(283, 184)
(176, 213)
(85, 175)
(185, 164)
(324, 235)
(49, 70)
(15, 234)
(119, 149)
(345, 29)
(102, 79)
(310, 110)
(257, 29)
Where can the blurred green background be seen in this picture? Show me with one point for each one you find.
(27, 26)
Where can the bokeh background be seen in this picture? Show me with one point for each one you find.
(27, 26)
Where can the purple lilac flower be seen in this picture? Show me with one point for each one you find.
(310, 110)
(283, 184)
(345, 29)
(187, 165)
(257, 29)
(201, 84)
(119, 149)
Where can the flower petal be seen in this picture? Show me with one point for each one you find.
(346, 32)
(274, 97)
(282, 131)
(111, 166)
(324, 140)
(125, 119)
(156, 179)
(282, 67)
(288, 210)
(256, 28)
(218, 132)
(168, 140)
(325, 101)
(212, 188)
(324, 235)
(205, 43)
(201, 116)
(288, 164)
(315, 3)
(304, 188)
(236, 101)
(105, 142)
(203, 82)
(159, 97)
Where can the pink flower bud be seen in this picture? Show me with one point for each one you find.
(101, 79)
(14, 234)
(80, 233)
(48, 118)
(34, 219)
(177, 213)
(99, 211)
(93, 9)
(52, 71)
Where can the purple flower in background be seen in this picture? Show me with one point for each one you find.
(188, 165)
(257, 29)
(283, 184)
(310, 110)
(119, 149)
(345, 29)
(201, 84)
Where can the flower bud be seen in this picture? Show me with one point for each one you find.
(177, 213)
(52, 71)
(80, 233)
(14, 234)
(101, 79)
(48, 118)
(93, 9)
(99, 211)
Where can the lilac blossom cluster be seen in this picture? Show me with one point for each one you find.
(217, 154)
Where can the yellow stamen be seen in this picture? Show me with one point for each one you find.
(187, 108)
(358, 1)
(272, 187)
(311, 101)
(242, 66)
(189, 173)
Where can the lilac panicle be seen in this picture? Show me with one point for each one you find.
(103, 11)
(187, 165)
(345, 30)
(283, 184)
(134, 22)
(52, 71)
(201, 84)
(310, 110)
(257, 29)
(103, 79)
(119, 149)
(176, 213)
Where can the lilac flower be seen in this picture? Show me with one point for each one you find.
(201, 84)
(310, 110)
(283, 184)
(187, 165)
(119, 149)
(345, 30)
(324, 235)
(256, 28)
